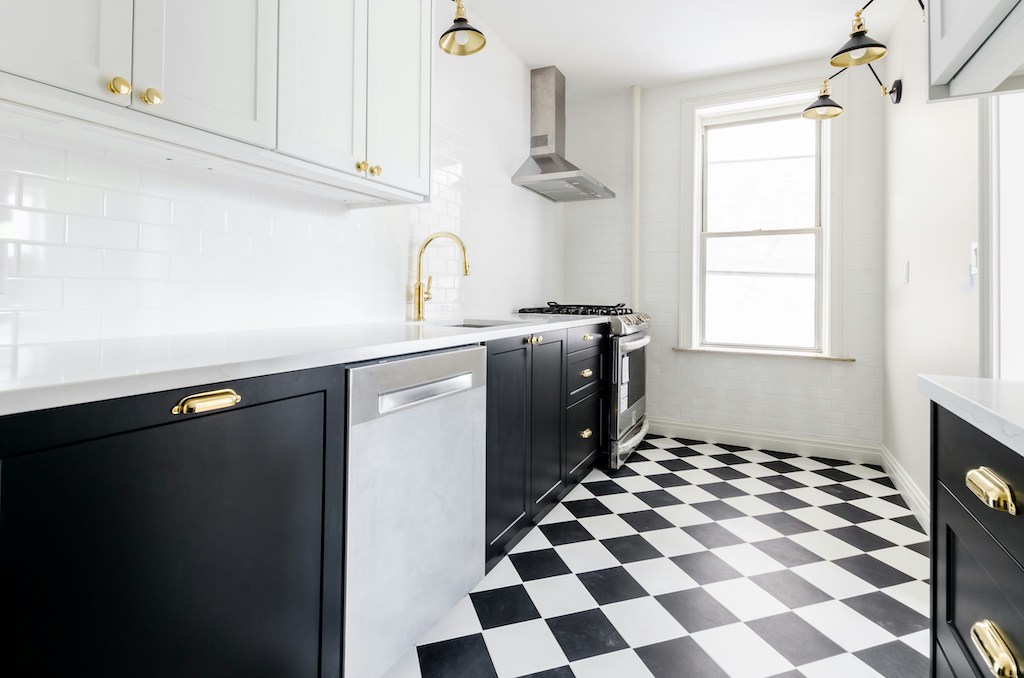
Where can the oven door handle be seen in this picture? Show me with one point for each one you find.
(628, 347)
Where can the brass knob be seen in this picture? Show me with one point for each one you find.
(362, 166)
(992, 490)
(994, 650)
(152, 96)
(376, 170)
(538, 339)
(119, 86)
(586, 433)
(588, 337)
(587, 373)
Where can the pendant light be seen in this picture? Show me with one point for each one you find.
(859, 49)
(823, 108)
(461, 39)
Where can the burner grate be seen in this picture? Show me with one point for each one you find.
(555, 308)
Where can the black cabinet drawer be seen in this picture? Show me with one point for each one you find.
(975, 580)
(587, 336)
(583, 433)
(585, 373)
(961, 448)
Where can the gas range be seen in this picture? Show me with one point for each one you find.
(623, 320)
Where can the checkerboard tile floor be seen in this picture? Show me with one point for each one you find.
(698, 560)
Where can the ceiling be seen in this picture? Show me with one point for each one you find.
(603, 46)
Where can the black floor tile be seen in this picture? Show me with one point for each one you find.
(679, 658)
(850, 512)
(631, 549)
(696, 610)
(873, 571)
(911, 522)
(560, 672)
(667, 480)
(780, 466)
(612, 585)
(568, 532)
(782, 482)
(538, 564)
(622, 472)
(730, 459)
(780, 455)
(645, 521)
(896, 499)
(885, 482)
(783, 523)
(466, 656)
(644, 445)
(783, 501)
(687, 442)
(718, 510)
(723, 490)
(712, 535)
(842, 492)
(726, 473)
(831, 462)
(787, 552)
(860, 538)
(586, 508)
(836, 475)
(732, 448)
(889, 613)
(876, 467)
(895, 660)
(499, 607)
(795, 639)
(684, 452)
(705, 567)
(604, 487)
(586, 634)
(790, 589)
(676, 465)
(657, 498)
(922, 547)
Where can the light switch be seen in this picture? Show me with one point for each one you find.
(974, 259)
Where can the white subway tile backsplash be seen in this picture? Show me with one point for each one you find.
(28, 158)
(9, 188)
(100, 294)
(31, 293)
(49, 261)
(124, 265)
(195, 215)
(102, 233)
(170, 239)
(7, 321)
(138, 207)
(61, 196)
(216, 244)
(180, 185)
(252, 224)
(26, 226)
(83, 168)
(36, 327)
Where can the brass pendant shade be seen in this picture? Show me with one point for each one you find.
(823, 108)
(859, 49)
(462, 39)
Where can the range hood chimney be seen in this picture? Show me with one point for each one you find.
(547, 172)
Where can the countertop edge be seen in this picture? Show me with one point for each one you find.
(993, 406)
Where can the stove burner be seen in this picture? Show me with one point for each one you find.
(579, 309)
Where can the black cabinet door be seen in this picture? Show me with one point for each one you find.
(508, 444)
(547, 414)
(168, 546)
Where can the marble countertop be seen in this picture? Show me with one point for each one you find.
(994, 406)
(42, 376)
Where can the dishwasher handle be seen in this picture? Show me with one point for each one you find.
(422, 393)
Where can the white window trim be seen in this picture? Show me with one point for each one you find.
(730, 106)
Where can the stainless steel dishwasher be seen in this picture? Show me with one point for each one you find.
(415, 500)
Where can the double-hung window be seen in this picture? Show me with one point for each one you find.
(761, 282)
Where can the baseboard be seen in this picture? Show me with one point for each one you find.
(917, 499)
(807, 446)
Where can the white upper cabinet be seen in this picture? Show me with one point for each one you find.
(322, 82)
(210, 64)
(398, 94)
(78, 46)
(974, 46)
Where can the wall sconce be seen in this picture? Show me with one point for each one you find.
(461, 39)
(859, 50)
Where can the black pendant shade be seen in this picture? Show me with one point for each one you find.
(823, 108)
(461, 39)
(858, 50)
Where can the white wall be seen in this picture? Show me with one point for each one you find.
(800, 403)
(100, 241)
(1011, 235)
(931, 218)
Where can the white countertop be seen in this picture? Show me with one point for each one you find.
(41, 376)
(994, 406)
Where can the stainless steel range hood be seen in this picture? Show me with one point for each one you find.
(546, 171)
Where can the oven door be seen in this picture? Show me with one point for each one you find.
(629, 383)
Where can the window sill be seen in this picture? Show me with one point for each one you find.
(762, 353)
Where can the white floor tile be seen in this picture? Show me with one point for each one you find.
(682, 515)
(506, 644)
(905, 560)
(825, 545)
(834, 580)
(607, 527)
(559, 514)
(819, 518)
(840, 666)
(920, 641)
(533, 541)
(914, 594)
(407, 667)
(883, 508)
(863, 471)
(754, 470)
(691, 494)
(871, 488)
(555, 596)
(848, 629)
(756, 660)
(643, 621)
(893, 531)
(646, 468)
(812, 496)
(748, 560)
(623, 503)
(806, 463)
(659, 576)
(672, 542)
(749, 529)
(460, 621)
(697, 476)
(658, 455)
(621, 664)
(745, 599)
(504, 574)
(810, 478)
(662, 443)
(579, 492)
(708, 448)
(754, 486)
(586, 556)
(755, 456)
(595, 475)
(705, 462)
(752, 506)
(639, 483)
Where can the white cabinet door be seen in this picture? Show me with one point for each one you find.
(956, 29)
(322, 82)
(398, 93)
(214, 63)
(77, 45)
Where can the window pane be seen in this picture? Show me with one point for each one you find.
(761, 195)
(760, 140)
(760, 290)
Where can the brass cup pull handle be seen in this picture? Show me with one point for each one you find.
(119, 86)
(376, 170)
(992, 490)
(207, 402)
(588, 337)
(587, 373)
(152, 96)
(994, 650)
(362, 166)
(586, 433)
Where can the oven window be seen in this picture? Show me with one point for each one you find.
(637, 375)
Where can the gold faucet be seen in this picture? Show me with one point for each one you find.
(420, 292)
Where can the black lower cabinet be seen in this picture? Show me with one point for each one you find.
(137, 542)
(525, 435)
